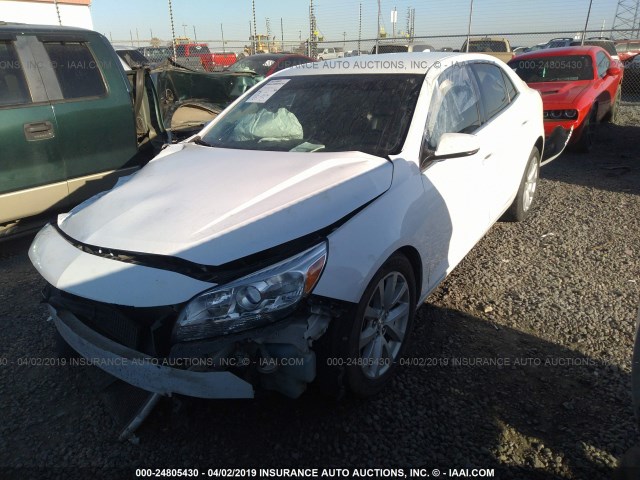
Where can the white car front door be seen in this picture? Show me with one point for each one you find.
(456, 203)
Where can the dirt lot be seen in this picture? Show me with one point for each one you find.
(520, 362)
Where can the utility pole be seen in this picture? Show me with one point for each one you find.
(344, 40)
(359, 28)
(184, 29)
(310, 28)
(222, 33)
(195, 37)
(469, 26)
(173, 31)
(58, 12)
(137, 37)
(281, 36)
(378, 31)
(131, 37)
(627, 18)
(413, 23)
(584, 32)
(394, 20)
(268, 35)
(255, 27)
(312, 32)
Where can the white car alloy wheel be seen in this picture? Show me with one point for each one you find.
(378, 332)
(385, 324)
(522, 205)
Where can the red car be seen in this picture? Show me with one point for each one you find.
(208, 61)
(627, 49)
(580, 86)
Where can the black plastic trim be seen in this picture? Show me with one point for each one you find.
(63, 37)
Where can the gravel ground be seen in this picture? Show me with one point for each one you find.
(552, 300)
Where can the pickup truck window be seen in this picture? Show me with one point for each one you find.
(487, 46)
(76, 69)
(13, 86)
(191, 50)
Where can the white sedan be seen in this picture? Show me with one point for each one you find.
(293, 238)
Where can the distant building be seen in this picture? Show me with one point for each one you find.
(73, 13)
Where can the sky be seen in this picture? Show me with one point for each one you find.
(339, 19)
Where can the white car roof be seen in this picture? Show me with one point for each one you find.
(414, 62)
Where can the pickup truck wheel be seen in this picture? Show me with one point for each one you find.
(522, 205)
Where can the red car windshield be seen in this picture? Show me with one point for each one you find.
(565, 68)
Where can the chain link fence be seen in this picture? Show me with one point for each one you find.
(625, 45)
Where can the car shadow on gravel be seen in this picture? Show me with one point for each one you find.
(16, 245)
(613, 164)
(469, 394)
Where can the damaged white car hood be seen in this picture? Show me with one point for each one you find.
(211, 206)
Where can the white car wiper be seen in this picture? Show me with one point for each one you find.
(198, 141)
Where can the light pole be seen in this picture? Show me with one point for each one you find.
(222, 33)
(378, 31)
(173, 31)
(469, 26)
(584, 33)
(58, 12)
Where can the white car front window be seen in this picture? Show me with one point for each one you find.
(331, 113)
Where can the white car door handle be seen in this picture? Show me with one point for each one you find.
(525, 122)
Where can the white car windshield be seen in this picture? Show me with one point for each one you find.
(330, 113)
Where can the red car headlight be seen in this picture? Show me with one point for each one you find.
(560, 114)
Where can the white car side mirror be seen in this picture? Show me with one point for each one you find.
(452, 145)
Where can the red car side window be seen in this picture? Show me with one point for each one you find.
(603, 64)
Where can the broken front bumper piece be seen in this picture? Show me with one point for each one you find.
(142, 371)
(285, 363)
(555, 144)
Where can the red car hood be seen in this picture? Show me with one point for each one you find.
(560, 93)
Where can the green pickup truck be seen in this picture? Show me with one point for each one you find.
(72, 121)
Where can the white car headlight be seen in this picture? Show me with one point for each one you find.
(252, 301)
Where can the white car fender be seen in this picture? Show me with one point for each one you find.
(359, 248)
